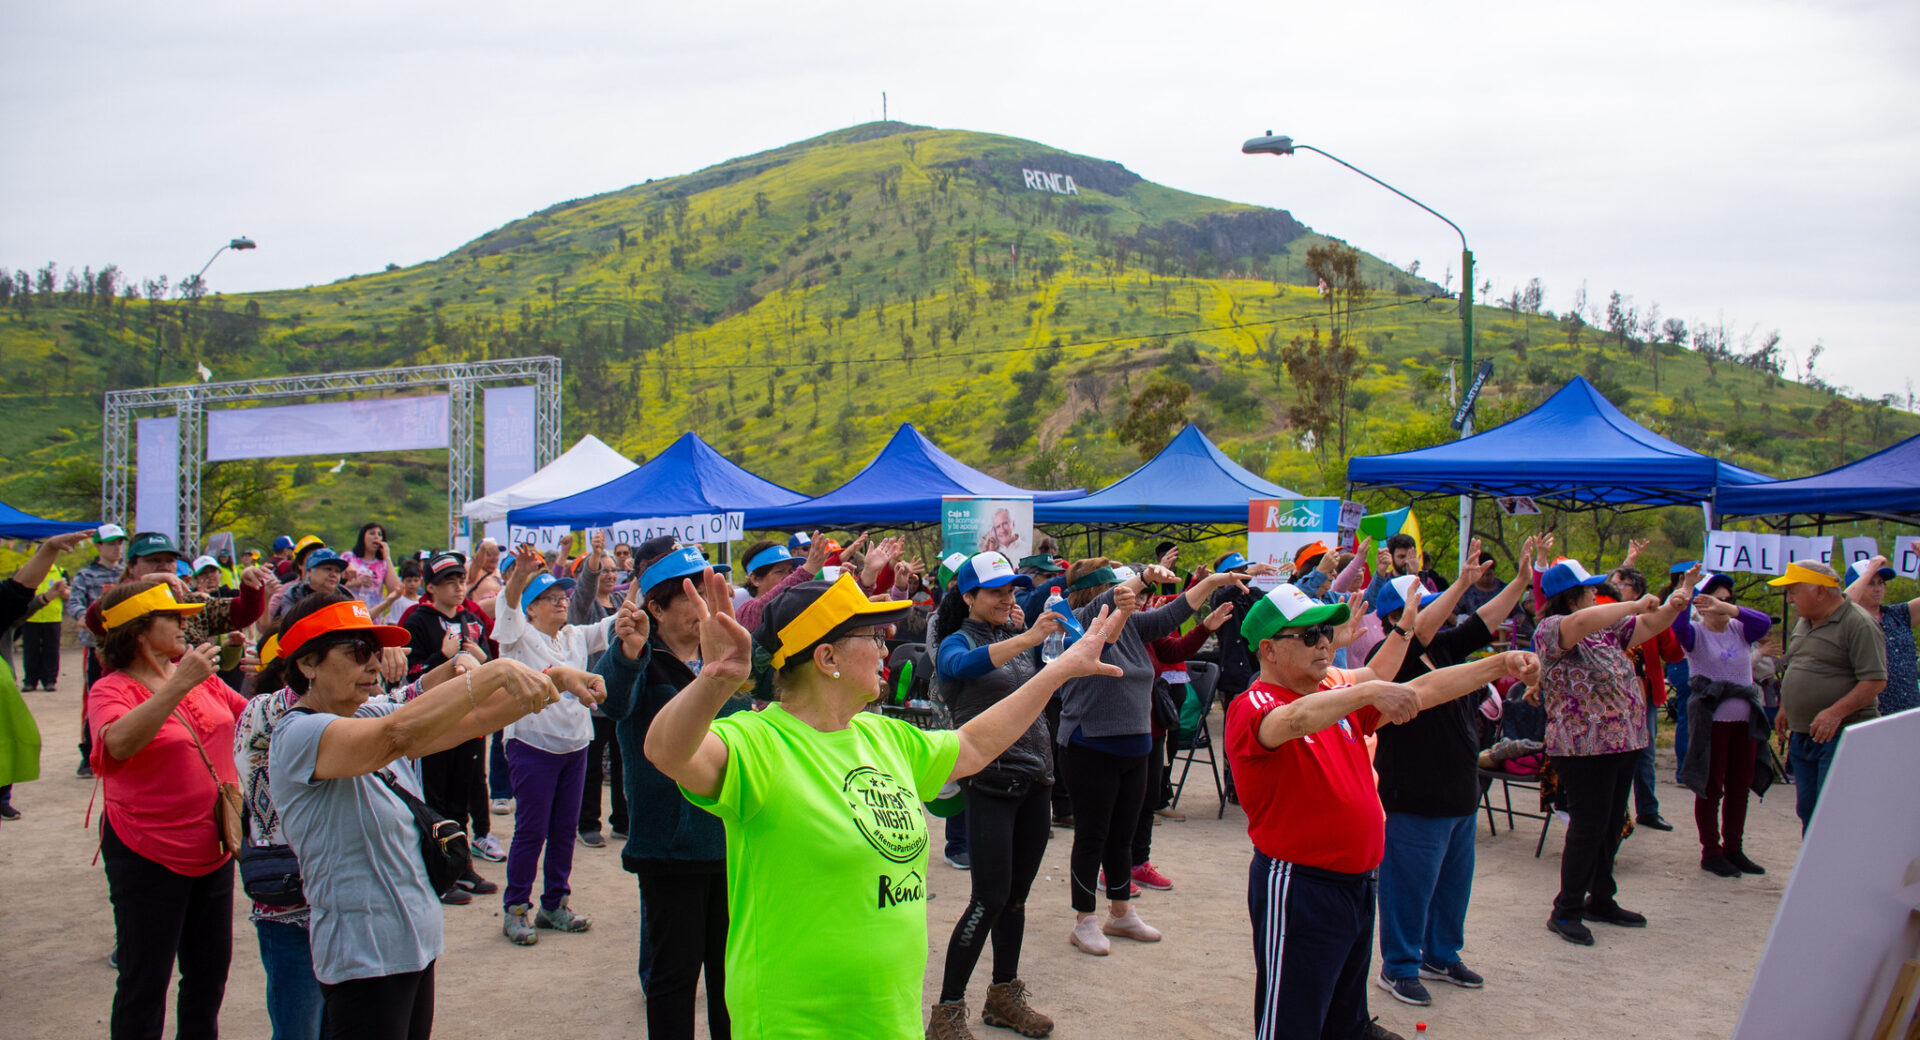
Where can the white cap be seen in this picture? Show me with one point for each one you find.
(202, 563)
(109, 532)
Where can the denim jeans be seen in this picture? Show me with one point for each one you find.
(957, 833)
(1645, 801)
(294, 1004)
(1425, 882)
(1812, 761)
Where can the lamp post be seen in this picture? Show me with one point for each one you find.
(1272, 144)
(241, 243)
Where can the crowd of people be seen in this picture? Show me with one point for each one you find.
(335, 731)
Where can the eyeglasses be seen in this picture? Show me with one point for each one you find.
(879, 641)
(1309, 637)
(362, 648)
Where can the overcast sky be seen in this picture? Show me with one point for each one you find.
(1736, 161)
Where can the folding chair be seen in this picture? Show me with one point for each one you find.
(1203, 676)
(1508, 781)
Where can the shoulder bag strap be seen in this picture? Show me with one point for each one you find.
(197, 745)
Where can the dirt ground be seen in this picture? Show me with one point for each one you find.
(1683, 976)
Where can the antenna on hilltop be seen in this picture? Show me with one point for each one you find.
(883, 106)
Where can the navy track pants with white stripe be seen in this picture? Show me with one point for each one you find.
(1312, 951)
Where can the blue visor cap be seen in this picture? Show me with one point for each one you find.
(540, 584)
(1232, 562)
(1683, 566)
(988, 570)
(684, 562)
(769, 556)
(1393, 595)
(1568, 575)
(800, 541)
(1853, 574)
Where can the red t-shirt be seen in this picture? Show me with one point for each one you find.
(161, 799)
(1311, 800)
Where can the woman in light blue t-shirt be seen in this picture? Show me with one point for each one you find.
(376, 927)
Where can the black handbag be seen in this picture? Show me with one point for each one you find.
(1166, 711)
(269, 874)
(995, 782)
(443, 843)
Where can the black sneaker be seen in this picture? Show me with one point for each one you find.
(1406, 991)
(456, 897)
(1570, 929)
(476, 884)
(1747, 866)
(8, 812)
(1614, 914)
(1720, 865)
(1654, 820)
(958, 860)
(593, 840)
(1460, 975)
(85, 771)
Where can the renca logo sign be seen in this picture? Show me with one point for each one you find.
(1058, 183)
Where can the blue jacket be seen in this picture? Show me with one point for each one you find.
(665, 832)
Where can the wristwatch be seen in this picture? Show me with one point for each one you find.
(1401, 632)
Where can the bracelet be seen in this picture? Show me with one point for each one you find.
(469, 677)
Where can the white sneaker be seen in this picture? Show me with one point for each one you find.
(1130, 927)
(1088, 937)
(488, 848)
(502, 806)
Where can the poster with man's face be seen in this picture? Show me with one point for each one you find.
(974, 525)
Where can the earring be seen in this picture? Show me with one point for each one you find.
(836, 675)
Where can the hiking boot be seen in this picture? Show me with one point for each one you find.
(1407, 991)
(1459, 974)
(1614, 914)
(476, 884)
(1720, 865)
(1146, 876)
(518, 925)
(488, 848)
(1007, 1008)
(1570, 929)
(562, 919)
(456, 897)
(1088, 937)
(949, 1021)
(1747, 866)
(1130, 926)
(593, 839)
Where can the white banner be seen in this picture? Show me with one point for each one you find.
(704, 528)
(156, 478)
(337, 428)
(1731, 551)
(1279, 527)
(1906, 555)
(1853, 550)
(510, 441)
(545, 539)
(1817, 548)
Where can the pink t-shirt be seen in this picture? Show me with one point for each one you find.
(161, 799)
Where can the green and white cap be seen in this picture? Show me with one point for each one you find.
(951, 566)
(1288, 607)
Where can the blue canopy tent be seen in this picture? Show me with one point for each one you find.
(16, 524)
(1191, 483)
(901, 487)
(687, 479)
(1883, 486)
(1575, 451)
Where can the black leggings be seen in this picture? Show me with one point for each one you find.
(1107, 792)
(1597, 787)
(1006, 838)
(685, 927)
(161, 919)
(389, 1007)
(1156, 798)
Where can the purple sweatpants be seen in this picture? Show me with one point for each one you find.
(546, 811)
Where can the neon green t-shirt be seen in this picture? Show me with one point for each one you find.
(826, 873)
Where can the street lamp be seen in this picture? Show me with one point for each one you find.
(1280, 144)
(243, 242)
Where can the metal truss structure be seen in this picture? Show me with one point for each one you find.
(189, 403)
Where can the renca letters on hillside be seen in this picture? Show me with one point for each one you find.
(1058, 183)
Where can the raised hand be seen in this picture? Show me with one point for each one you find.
(393, 663)
(1523, 666)
(817, 552)
(1397, 703)
(631, 626)
(1018, 618)
(586, 687)
(1474, 570)
(1043, 626)
(726, 649)
(1220, 616)
(1158, 575)
(196, 666)
(1170, 558)
(1635, 546)
(1349, 630)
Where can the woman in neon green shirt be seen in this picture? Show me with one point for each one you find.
(816, 782)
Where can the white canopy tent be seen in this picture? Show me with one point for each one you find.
(586, 465)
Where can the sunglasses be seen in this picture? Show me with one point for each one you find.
(1309, 637)
(362, 648)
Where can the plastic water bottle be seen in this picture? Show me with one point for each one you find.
(905, 684)
(1056, 643)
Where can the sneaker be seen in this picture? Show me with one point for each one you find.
(488, 848)
(1174, 815)
(456, 897)
(949, 1021)
(1654, 820)
(1720, 865)
(85, 771)
(1130, 926)
(476, 884)
(1747, 866)
(1570, 929)
(1614, 914)
(8, 812)
(1460, 975)
(113, 958)
(1088, 936)
(1406, 991)
(518, 925)
(958, 860)
(562, 919)
(1007, 1008)
(593, 840)
(1146, 876)
(502, 806)
(618, 830)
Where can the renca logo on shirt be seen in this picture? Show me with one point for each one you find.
(909, 889)
(887, 815)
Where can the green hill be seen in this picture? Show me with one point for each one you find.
(794, 305)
